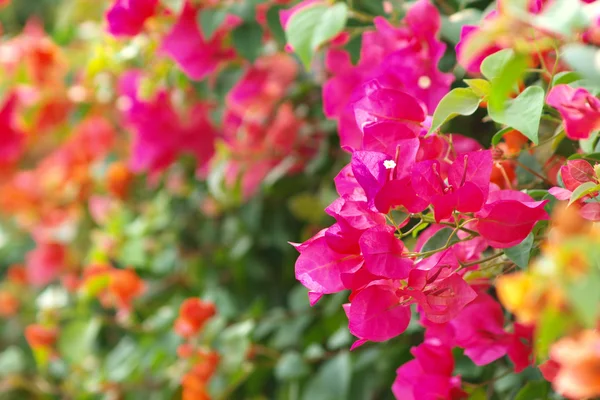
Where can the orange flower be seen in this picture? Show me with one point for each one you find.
(526, 295)
(17, 274)
(579, 360)
(40, 336)
(9, 304)
(118, 179)
(194, 388)
(125, 285)
(193, 314)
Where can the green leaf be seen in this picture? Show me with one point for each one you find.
(234, 343)
(552, 325)
(247, 40)
(452, 25)
(332, 381)
(313, 26)
(591, 156)
(522, 113)
(122, 360)
(534, 390)
(439, 240)
(583, 190)
(209, 20)
(77, 339)
(565, 77)
(460, 101)
(175, 6)
(493, 64)
(481, 87)
(291, 366)
(499, 135)
(563, 17)
(274, 24)
(583, 295)
(583, 58)
(12, 361)
(520, 253)
(506, 80)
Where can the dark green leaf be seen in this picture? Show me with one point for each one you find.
(332, 381)
(535, 390)
(291, 366)
(247, 39)
(519, 254)
(439, 240)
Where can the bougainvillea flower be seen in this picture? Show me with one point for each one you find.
(375, 313)
(127, 17)
(383, 253)
(440, 294)
(417, 41)
(12, 139)
(45, 263)
(193, 314)
(579, 109)
(467, 187)
(429, 375)
(186, 45)
(508, 217)
(578, 358)
(380, 103)
(479, 329)
(470, 32)
(577, 172)
(520, 349)
(160, 133)
(319, 267)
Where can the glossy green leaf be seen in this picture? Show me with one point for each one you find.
(460, 101)
(522, 113)
(583, 190)
(493, 64)
(506, 80)
(313, 26)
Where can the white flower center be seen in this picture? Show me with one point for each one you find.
(424, 82)
(389, 164)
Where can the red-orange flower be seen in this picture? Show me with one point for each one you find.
(9, 304)
(193, 314)
(118, 179)
(40, 336)
(125, 285)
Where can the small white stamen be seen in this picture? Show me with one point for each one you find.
(389, 164)
(424, 82)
